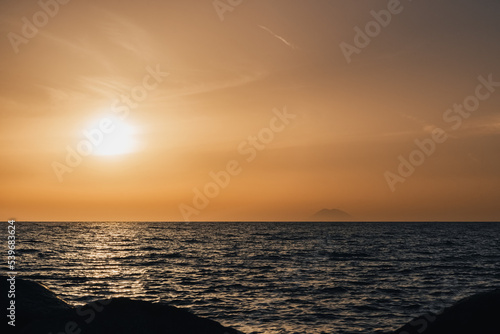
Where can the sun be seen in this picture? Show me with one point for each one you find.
(118, 140)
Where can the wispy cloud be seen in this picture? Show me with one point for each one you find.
(278, 37)
(426, 126)
(210, 86)
(128, 35)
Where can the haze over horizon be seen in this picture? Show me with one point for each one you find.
(258, 111)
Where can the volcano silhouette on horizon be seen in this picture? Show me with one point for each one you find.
(331, 215)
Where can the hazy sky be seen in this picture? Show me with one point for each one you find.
(304, 105)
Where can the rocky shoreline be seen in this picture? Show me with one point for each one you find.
(477, 314)
(39, 310)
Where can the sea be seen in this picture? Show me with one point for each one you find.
(268, 277)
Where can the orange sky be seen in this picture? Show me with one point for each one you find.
(170, 91)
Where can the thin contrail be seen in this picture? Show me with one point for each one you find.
(278, 37)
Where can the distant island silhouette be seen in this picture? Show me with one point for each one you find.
(331, 215)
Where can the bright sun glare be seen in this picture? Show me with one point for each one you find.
(118, 141)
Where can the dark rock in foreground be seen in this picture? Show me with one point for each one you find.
(478, 314)
(38, 310)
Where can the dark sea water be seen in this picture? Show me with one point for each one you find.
(269, 277)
